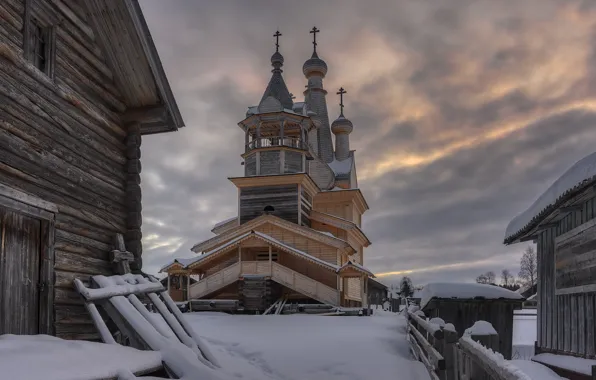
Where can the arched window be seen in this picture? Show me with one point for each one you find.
(268, 209)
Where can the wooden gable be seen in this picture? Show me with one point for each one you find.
(114, 83)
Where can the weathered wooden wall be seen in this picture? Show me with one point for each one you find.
(283, 198)
(566, 322)
(61, 140)
(20, 264)
(314, 271)
(250, 165)
(464, 313)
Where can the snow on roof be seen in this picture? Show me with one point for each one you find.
(343, 166)
(358, 266)
(217, 225)
(458, 290)
(183, 262)
(59, 359)
(570, 363)
(581, 172)
(194, 260)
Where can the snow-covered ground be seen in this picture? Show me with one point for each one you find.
(310, 347)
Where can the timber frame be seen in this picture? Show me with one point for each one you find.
(45, 212)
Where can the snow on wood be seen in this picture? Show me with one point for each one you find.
(493, 361)
(457, 290)
(481, 328)
(217, 225)
(570, 363)
(122, 289)
(581, 172)
(27, 357)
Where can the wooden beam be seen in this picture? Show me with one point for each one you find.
(546, 226)
(571, 208)
(145, 114)
(528, 238)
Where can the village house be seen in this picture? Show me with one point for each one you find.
(562, 223)
(297, 236)
(80, 84)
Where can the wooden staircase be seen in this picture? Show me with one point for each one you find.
(255, 288)
(254, 292)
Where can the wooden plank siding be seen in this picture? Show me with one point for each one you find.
(283, 198)
(566, 320)
(314, 248)
(61, 139)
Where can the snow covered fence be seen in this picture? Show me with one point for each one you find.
(432, 342)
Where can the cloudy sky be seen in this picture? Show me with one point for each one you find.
(464, 112)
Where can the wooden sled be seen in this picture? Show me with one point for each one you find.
(184, 353)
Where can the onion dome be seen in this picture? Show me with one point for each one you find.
(342, 125)
(277, 60)
(314, 65)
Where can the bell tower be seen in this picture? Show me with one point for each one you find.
(276, 144)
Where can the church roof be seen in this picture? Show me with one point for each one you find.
(277, 86)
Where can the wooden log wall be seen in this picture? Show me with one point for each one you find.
(566, 322)
(284, 200)
(61, 140)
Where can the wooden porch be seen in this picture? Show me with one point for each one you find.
(277, 272)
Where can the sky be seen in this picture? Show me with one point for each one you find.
(464, 112)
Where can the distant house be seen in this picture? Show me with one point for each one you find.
(562, 223)
(377, 292)
(80, 84)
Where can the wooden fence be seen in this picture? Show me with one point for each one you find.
(447, 357)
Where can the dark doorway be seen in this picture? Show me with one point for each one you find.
(20, 267)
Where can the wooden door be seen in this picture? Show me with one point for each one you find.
(20, 264)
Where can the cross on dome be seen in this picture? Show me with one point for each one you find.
(341, 93)
(314, 32)
(277, 35)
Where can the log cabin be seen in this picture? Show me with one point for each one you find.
(297, 235)
(562, 223)
(80, 84)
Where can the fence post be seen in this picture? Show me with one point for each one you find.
(449, 341)
(483, 333)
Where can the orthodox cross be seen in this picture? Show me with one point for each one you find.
(314, 32)
(277, 35)
(341, 93)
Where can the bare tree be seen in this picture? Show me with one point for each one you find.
(486, 278)
(529, 267)
(490, 276)
(506, 277)
(482, 279)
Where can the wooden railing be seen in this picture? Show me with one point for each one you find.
(472, 357)
(291, 142)
(432, 344)
(278, 273)
(304, 285)
(256, 267)
(216, 281)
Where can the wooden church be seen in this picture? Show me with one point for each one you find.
(297, 235)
